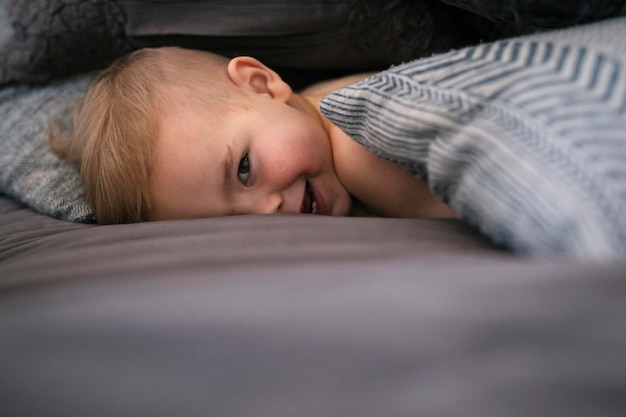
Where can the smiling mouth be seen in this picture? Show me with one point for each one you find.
(309, 203)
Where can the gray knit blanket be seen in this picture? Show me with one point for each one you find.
(525, 138)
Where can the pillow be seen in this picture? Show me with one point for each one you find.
(302, 34)
(525, 138)
(5, 25)
(29, 172)
(54, 38)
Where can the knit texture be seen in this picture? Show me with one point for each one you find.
(55, 38)
(29, 172)
(525, 138)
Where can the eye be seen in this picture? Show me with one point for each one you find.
(244, 169)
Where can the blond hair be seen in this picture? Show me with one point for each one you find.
(116, 124)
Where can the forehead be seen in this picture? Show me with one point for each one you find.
(188, 156)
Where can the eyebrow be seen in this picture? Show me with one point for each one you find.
(227, 165)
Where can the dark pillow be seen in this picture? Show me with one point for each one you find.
(5, 26)
(53, 38)
(296, 33)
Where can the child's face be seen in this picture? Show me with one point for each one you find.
(268, 157)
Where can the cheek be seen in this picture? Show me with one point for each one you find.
(296, 144)
(306, 149)
(315, 154)
(316, 148)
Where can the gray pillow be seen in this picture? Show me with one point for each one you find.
(525, 138)
(54, 38)
(5, 24)
(305, 34)
(29, 172)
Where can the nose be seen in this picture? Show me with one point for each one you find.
(268, 204)
(276, 200)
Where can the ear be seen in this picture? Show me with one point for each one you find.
(250, 74)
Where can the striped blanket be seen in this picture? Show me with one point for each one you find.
(525, 138)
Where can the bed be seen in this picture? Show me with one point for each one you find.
(299, 314)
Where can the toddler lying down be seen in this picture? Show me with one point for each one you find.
(171, 133)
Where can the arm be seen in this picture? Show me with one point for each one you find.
(380, 185)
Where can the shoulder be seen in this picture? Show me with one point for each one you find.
(379, 185)
(361, 172)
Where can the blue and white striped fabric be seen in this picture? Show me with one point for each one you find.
(525, 138)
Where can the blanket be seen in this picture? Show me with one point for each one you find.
(525, 138)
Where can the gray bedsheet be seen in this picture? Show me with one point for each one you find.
(299, 316)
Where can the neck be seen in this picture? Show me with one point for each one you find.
(309, 104)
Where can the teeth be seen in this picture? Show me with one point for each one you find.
(314, 208)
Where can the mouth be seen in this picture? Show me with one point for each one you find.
(309, 202)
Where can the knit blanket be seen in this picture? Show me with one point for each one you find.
(525, 138)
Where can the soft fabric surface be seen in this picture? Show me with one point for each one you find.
(283, 316)
(29, 172)
(308, 35)
(5, 25)
(56, 38)
(524, 138)
(38, 249)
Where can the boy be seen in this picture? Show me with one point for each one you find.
(170, 133)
